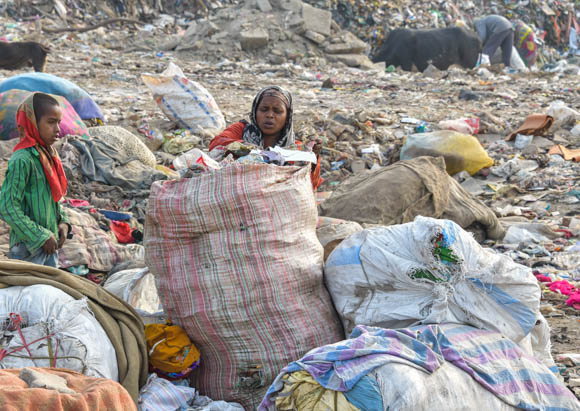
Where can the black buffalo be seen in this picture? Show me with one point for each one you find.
(19, 54)
(440, 47)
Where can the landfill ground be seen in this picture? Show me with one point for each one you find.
(374, 110)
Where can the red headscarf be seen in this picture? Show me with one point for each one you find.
(30, 137)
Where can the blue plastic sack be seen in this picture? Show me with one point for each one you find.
(82, 102)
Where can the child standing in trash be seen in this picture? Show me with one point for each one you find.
(270, 125)
(34, 184)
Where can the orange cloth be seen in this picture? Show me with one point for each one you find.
(234, 133)
(92, 393)
(230, 135)
(534, 124)
(566, 153)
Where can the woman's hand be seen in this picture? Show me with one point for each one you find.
(317, 147)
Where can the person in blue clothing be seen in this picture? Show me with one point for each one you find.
(496, 31)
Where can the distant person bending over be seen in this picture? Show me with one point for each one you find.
(270, 126)
(34, 184)
(496, 31)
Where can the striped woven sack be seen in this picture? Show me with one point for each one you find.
(239, 267)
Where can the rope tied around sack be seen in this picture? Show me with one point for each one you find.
(15, 322)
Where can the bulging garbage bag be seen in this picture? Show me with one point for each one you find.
(82, 102)
(236, 257)
(71, 123)
(430, 271)
(57, 331)
(184, 101)
(461, 151)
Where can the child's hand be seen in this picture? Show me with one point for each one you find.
(50, 245)
(62, 234)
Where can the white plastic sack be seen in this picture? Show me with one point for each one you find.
(373, 279)
(562, 114)
(137, 288)
(516, 61)
(405, 387)
(159, 394)
(484, 60)
(83, 344)
(184, 101)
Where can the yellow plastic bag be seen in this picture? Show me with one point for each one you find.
(170, 349)
(461, 151)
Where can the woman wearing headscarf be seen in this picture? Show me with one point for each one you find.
(34, 184)
(270, 125)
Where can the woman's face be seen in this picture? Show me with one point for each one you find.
(271, 116)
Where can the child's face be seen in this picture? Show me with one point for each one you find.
(48, 125)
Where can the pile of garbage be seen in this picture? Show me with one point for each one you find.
(278, 32)
(84, 10)
(442, 135)
(372, 21)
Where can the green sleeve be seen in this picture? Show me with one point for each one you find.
(62, 215)
(11, 199)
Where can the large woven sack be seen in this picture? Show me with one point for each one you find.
(239, 267)
(402, 191)
(83, 344)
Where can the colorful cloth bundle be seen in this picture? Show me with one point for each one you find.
(496, 363)
(10, 100)
(525, 43)
(563, 287)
